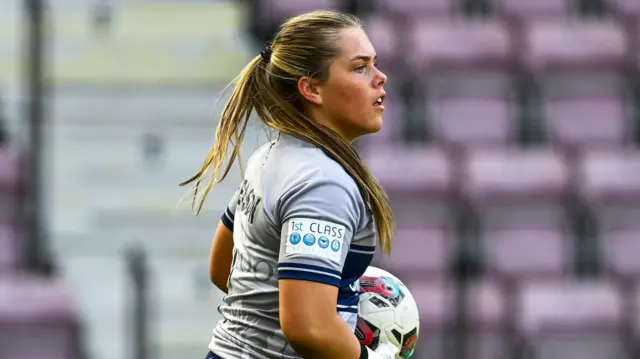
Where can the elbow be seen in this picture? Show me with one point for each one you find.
(304, 334)
(219, 281)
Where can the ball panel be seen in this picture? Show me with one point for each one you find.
(409, 344)
(387, 304)
(368, 334)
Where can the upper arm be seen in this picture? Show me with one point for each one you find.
(221, 255)
(228, 216)
(220, 258)
(318, 222)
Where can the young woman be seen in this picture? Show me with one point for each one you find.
(302, 227)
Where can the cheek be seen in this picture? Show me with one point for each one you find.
(351, 100)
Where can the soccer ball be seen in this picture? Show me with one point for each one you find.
(387, 312)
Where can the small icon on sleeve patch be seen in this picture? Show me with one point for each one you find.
(294, 238)
(309, 239)
(323, 242)
(315, 238)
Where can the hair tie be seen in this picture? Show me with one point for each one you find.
(266, 54)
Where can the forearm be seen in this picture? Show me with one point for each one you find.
(333, 338)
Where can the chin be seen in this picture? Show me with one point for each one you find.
(374, 125)
(363, 128)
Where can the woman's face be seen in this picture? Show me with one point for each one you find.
(352, 98)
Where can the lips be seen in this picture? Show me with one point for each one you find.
(380, 100)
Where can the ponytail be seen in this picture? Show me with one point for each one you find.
(231, 130)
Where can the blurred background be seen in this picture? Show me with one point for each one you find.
(509, 153)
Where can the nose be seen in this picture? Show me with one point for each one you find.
(381, 78)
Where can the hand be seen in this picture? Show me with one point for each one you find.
(384, 351)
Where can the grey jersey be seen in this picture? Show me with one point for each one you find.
(297, 215)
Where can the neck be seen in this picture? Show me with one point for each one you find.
(322, 119)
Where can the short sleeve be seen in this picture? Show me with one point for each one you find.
(318, 223)
(229, 212)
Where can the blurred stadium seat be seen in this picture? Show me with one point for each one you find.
(572, 56)
(630, 8)
(441, 44)
(9, 250)
(277, 11)
(37, 319)
(610, 186)
(571, 320)
(403, 9)
(473, 122)
(587, 122)
(434, 243)
(419, 183)
(527, 253)
(516, 188)
(10, 187)
(527, 10)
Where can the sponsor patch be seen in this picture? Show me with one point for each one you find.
(314, 237)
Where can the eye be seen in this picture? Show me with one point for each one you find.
(361, 68)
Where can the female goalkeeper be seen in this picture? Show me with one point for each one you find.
(302, 226)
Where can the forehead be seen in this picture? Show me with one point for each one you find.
(354, 42)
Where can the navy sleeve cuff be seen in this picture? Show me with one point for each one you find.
(309, 273)
(227, 219)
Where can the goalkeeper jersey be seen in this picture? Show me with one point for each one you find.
(296, 215)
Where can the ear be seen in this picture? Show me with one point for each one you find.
(310, 90)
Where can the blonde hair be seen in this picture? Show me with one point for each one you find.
(304, 46)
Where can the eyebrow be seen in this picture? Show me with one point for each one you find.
(364, 57)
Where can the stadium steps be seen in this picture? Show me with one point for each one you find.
(100, 195)
(105, 200)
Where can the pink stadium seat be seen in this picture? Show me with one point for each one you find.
(469, 122)
(419, 182)
(575, 58)
(572, 44)
(422, 8)
(525, 9)
(411, 170)
(516, 188)
(583, 121)
(629, 8)
(486, 306)
(526, 254)
(620, 252)
(385, 37)
(462, 64)
(9, 185)
(9, 168)
(635, 307)
(451, 44)
(278, 10)
(8, 249)
(432, 244)
(435, 303)
(37, 318)
(566, 320)
(610, 184)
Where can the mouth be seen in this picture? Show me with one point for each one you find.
(379, 101)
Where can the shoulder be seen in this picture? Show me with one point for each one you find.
(260, 153)
(303, 175)
(302, 165)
